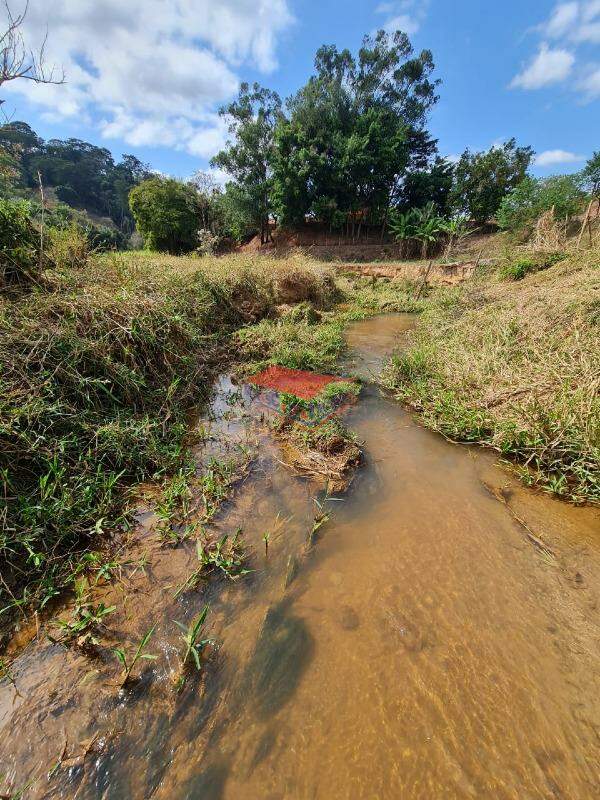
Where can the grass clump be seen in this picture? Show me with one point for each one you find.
(515, 367)
(364, 296)
(292, 344)
(517, 270)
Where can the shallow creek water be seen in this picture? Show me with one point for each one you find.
(424, 647)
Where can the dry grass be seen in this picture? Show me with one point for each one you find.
(516, 366)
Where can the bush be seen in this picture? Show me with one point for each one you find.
(532, 197)
(104, 238)
(167, 214)
(207, 242)
(517, 270)
(68, 248)
(19, 243)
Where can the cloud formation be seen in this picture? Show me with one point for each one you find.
(152, 71)
(403, 15)
(571, 27)
(549, 66)
(550, 157)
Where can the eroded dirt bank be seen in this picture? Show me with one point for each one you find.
(424, 646)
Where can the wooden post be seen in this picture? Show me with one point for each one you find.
(585, 222)
(42, 225)
(430, 265)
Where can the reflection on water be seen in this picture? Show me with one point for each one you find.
(424, 650)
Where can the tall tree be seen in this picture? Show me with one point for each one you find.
(483, 180)
(248, 156)
(591, 174)
(355, 130)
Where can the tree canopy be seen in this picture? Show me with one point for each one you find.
(482, 180)
(167, 214)
(345, 142)
(249, 154)
(82, 175)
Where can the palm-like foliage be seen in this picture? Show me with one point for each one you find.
(423, 225)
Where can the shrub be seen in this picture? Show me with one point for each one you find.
(166, 213)
(517, 270)
(207, 242)
(19, 243)
(532, 197)
(68, 248)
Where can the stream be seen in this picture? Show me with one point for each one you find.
(439, 639)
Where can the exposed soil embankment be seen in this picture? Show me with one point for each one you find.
(437, 274)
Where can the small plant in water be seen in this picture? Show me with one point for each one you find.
(193, 640)
(226, 555)
(320, 520)
(5, 672)
(81, 628)
(127, 663)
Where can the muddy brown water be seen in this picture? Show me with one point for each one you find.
(424, 647)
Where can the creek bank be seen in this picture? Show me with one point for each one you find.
(514, 365)
(420, 596)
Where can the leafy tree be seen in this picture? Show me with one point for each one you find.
(248, 156)
(234, 213)
(208, 191)
(591, 174)
(482, 180)
(532, 197)
(429, 185)
(354, 131)
(167, 214)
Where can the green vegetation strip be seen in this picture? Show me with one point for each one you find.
(515, 366)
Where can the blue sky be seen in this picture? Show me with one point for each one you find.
(147, 76)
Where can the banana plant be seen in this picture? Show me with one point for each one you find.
(428, 228)
(403, 226)
(457, 229)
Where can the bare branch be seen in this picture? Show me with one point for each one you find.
(16, 60)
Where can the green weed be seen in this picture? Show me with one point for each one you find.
(193, 640)
(128, 663)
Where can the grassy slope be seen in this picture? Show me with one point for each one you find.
(97, 369)
(515, 365)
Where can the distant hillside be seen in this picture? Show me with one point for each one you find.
(77, 173)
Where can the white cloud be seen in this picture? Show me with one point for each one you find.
(549, 66)
(154, 70)
(571, 26)
(576, 21)
(562, 20)
(403, 15)
(589, 84)
(549, 157)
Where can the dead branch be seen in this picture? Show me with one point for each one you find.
(18, 61)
